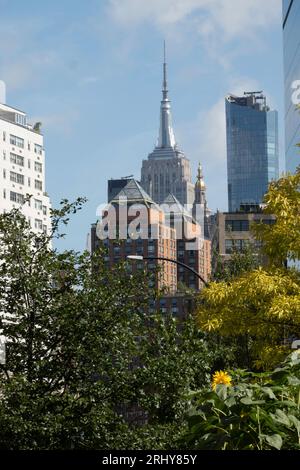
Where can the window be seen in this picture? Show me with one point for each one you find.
(38, 185)
(28, 145)
(29, 181)
(4, 154)
(4, 136)
(4, 173)
(38, 224)
(16, 177)
(237, 225)
(269, 221)
(38, 149)
(20, 119)
(38, 167)
(45, 228)
(16, 197)
(16, 159)
(44, 210)
(38, 204)
(17, 141)
(4, 193)
(29, 165)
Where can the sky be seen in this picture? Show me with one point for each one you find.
(91, 72)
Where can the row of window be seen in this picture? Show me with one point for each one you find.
(19, 199)
(244, 225)
(20, 179)
(38, 224)
(237, 225)
(19, 160)
(235, 245)
(19, 142)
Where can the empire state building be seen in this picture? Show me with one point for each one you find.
(167, 170)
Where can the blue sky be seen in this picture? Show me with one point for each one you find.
(91, 72)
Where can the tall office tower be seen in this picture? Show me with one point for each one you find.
(22, 168)
(291, 47)
(167, 170)
(252, 148)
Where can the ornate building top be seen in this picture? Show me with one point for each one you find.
(200, 179)
(167, 169)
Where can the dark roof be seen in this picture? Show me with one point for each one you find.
(133, 192)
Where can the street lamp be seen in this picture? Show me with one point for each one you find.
(160, 258)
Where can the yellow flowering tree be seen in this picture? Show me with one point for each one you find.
(263, 304)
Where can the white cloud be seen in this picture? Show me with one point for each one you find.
(230, 18)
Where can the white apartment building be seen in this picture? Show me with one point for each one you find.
(22, 168)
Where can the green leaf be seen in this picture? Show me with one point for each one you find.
(249, 401)
(295, 422)
(275, 441)
(268, 391)
(281, 417)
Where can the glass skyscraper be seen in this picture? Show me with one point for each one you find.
(291, 48)
(252, 148)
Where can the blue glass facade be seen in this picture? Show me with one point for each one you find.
(252, 149)
(291, 48)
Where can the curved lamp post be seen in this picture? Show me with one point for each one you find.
(160, 258)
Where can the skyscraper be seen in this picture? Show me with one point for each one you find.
(167, 170)
(291, 48)
(152, 237)
(252, 148)
(22, 163)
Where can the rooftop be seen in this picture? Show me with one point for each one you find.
(251, 99)
(15, 116)
(133, 192)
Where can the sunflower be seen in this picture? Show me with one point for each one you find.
(220, 377)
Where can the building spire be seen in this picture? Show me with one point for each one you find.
(200, 178)
(165, 85)
(166, 133)
(200, 187)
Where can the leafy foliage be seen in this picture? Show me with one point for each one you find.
(240, 262)
(281, 240)
(262, 305)
(259, 412)
(82, 351)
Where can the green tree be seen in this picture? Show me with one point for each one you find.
(81, 347)
(263, 304)
(240, 262)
